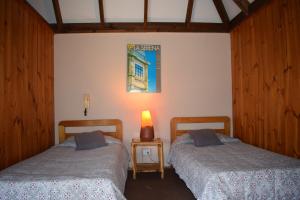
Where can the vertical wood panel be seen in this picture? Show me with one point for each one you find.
(266, 83)
(13, 121)
(293, 72)
(2, 77)
(26, 82)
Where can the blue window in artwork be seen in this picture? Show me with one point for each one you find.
(139, 71)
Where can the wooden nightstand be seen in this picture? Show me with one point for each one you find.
(147, 167)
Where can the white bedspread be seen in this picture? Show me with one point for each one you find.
(63, 173)
(236, 171)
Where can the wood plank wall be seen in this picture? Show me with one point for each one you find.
(26, 83)
(266, 78)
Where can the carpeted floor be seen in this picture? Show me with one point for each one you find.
(149, 186)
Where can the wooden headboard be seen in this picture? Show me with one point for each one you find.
(186, 120)
(118, 133)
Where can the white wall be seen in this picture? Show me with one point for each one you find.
(196, 78)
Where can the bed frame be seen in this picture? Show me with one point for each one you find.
(86, 123)
(186, 120)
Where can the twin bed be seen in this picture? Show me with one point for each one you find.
(61, 172)
(234, 170)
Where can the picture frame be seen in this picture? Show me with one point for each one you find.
(143, 68)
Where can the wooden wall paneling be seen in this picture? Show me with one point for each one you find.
(238, 127)
(41, 89)
(26, 81)
(6, 82)
(259, 49)
(243, 83)
(235, 83)
(249, 85)
(32, 130)
(29, 142)
(32, 83)
(276, 77)
(265, 72)
(23, 35)
(13, 120)
(280, 78)
(50, 90)
(292, 70)
(266, 83)
(19, 69)
(2, 77)
(247, 75)
(34, 88)
(264, 113)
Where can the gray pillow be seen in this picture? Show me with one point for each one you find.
(89, 140)
(205, 137)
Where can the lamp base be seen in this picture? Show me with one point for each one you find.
(147, 133)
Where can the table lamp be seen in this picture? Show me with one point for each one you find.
(147, 131)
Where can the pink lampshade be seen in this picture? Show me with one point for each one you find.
(147, 131)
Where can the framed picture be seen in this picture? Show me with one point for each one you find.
(143, 68)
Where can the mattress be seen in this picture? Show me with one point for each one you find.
(236, 170)
(64, 173)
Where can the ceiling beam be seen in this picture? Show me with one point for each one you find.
(243, 5)
(145, 12)
(222, 11)
(57, 12)
(139, 27)
(189, 12)
(253, 7)
(101, 12)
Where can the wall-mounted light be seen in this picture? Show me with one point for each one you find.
(86, 103)
(147, 131)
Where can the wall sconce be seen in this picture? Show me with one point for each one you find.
(147, 131)
(86, 103)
